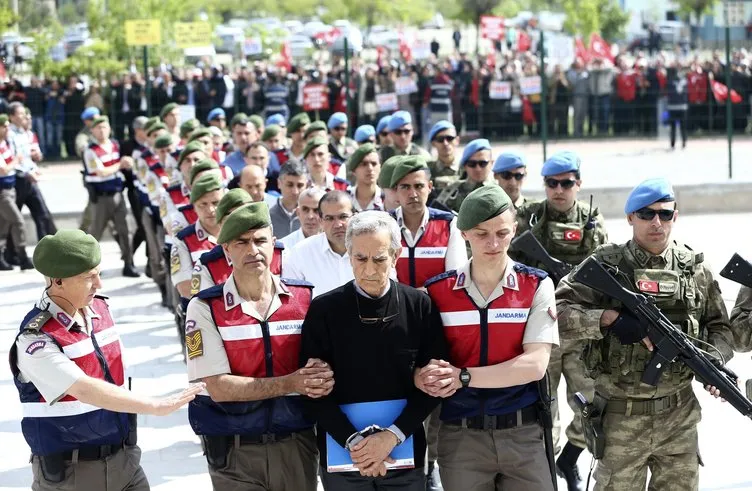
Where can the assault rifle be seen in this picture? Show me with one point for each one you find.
(529, 245)
(738, 270)
(670, 344)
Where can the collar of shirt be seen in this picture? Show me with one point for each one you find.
(645, 259)
(202, 234)
(326, 247)
(441, 165)
(405, 231)
(364, 294)
(83, 321)
(376, 202)
(328, 181)
(284, 210)
(520, 201)
(232, 298)
(568, 216)
(465, 281)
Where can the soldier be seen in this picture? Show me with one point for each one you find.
(499, 322)
(383, 138)
(179, 192)
(217, 118)
(401, 132)
(186, 129)
(251, 420)
(11, 220)
(365, 166)
(84, 138)
(296, 130)
(279, 120)
(170, 116)
(741, 320)
(67, 364)
(476, 164)
(365, 134)
(317, 158)
(385, 182)
(511, 182)
(617, 349)
(274, 139)
(340, 146)
(444, 168)
(570, 230)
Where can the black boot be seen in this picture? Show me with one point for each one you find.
(566, 467)
(10, 257)
(147, 270)
(165, 300)
(129, 271)
(4, 266)
(23, 259)
(433, 480)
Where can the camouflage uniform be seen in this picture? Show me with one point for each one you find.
(82, 141)
(646, 427)
(453, 195)
(442, 175)
(568, 237)
(391, 151)
(741, 320)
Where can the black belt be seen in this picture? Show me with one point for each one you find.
(520, 417)
(263, 439)
(108, 193)
(91, 452)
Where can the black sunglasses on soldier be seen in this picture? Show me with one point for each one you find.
(648, 214)
(564, 183)
(477, 163)
(517, 176)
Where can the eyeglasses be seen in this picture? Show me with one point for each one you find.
(369, 321)
(402, 132)
(564, 183)
(444, 139)
(517, 176)
(384, 134)
(340, 128)
(477, 163)
(648, 214)
(331, 218)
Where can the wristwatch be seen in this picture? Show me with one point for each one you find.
(465, 378)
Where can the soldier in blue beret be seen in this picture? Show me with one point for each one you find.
(217, 118)
(383, 137)
(570, 230)
(510, 171)
(400, 129)
(365, 134)
(340, 146)
(616, 347)
(475, 164)
(445, 168)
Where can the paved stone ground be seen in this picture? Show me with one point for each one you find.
(171, 455)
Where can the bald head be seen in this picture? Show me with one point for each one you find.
(253, 181)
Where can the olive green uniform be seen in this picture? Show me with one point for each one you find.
(646, 427)
(390, 151)
(570, 237)
(454, 194)
(741, 320)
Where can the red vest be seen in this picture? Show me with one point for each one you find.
(216, 263)
(111, 183)
(626, 86)
(195, 241)
(697, 88)
(425, 260)
(283, 155)
(5, 152)
(188, 213)
(483, 337)
(334, 166)
(177, 196)
(218, 156)
(244, 337)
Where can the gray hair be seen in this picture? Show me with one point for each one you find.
(371, 222)
(313, 192)
(293, 168)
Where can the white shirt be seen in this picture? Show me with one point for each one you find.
(291, 240)
(375, 204)
(456, 253)
(314, 261)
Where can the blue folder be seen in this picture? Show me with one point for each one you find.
(362, 415)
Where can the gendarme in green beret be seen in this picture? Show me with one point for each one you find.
(155, 127)
(408, 165)
(67, 253)
(3, 119)
(206, 184)
(231, 200)
(270, 132)
(239, 118)
(167, 109)
(297, 122)
(151, 122)
(387, 169)
(99, 120)
(188, 127)
(201, 166)
(257, 121)
(316, 142)
(357, 157)
(163, 141)
(248, 217)
(315, 126)
(192, 147)
(483, 204)
(199, 133)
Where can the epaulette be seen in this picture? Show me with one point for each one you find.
(339, 179)
(279, 245)
(173, 187)
(212, 255)
(524, 268)
(36, 323)
(189, 230)
(434, 214)
(439, 277)
(212, 292)
(291, 282)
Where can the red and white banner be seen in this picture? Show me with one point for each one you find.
(500, 90)
(720, 92)
(491, 27)
(387, 102)
(600, 48)
(524, 42)
(580, 51)
(315, 97)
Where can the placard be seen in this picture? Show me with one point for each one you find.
(387, 102)
(491, 27)
(193, 34)
(143, 32)
(530, 85)
(498, 89)
(315, 97)
(405, 85)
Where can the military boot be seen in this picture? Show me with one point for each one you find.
(566, 467)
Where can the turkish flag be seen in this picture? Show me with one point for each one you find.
(580, 51)
(648, 286)
(600, 48)
(523, 41)
(720, 92)
(286, 56)
(573, 235)
(404, 48)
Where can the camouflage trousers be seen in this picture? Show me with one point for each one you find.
(665, 443)
(566, 360)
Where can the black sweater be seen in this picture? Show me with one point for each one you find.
(372, 362)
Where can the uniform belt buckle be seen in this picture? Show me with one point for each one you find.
(268, 438)
(489, 422)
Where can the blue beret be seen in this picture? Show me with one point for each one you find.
(216, 113)
(560, 163)
(398, 120)
(439, 127)
(383, 124)
(472, 147)
(508, 161)
(363, 133)
(277, 119)
(336, 119)
(89, 113)
(648, 192)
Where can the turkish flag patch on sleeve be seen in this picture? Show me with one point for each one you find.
(573, 235)
(647, 286)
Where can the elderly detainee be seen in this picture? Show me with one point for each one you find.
(373, 332)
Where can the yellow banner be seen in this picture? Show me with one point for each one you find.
(193, 34)
(143, 32)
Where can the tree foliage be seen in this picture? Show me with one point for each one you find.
(585, 17)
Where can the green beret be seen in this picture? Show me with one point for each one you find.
(188, 127)
(315, 126)
(257, 121)
(3, 119)
(163, 141)
(240, 118)
(192, 147)
(270, 132)
(155, 127)
(151, 122)
(357, 157)
(205, 185)
(99, 120)
(201, 166)
(234, 198)
(248, 217)
(67, 253)
(316, 142)
(483, 204)
(199, 133)
(407, 166)
(167, 109)
(297, 122)
(387, 169)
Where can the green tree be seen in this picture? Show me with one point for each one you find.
(44, 40)
(696, 8)
(585, 17)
